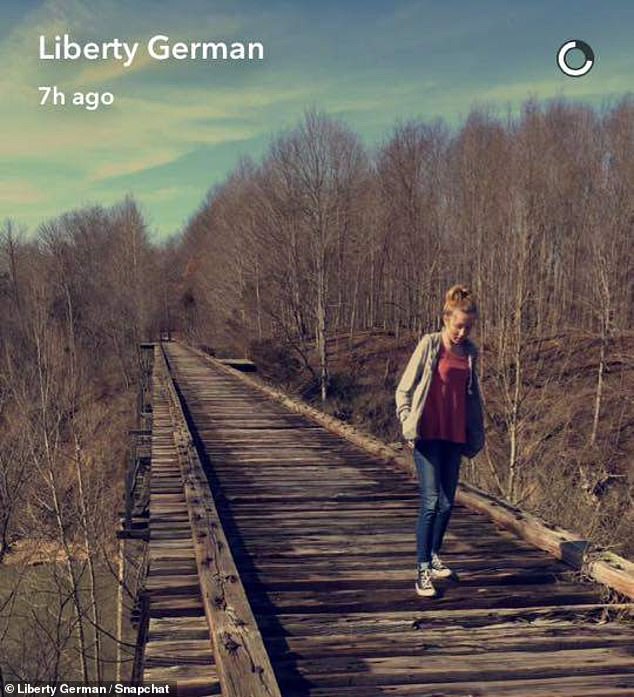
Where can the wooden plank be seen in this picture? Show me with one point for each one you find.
(188, 680)
(187, 628)
(366, 578)
(326, 539)
(361, 623)
(324, 560)
(445, 641)
(171, 568)
(512, 665)
(177, 555)
(173, 585)
(182, 652)
(380, 600)
(166, 605)
(614, 685)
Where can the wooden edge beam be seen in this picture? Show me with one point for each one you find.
(606, 568)
(243, 664)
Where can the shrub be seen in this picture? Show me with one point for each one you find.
(275, 361)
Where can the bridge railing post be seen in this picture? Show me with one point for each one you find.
(146, 368)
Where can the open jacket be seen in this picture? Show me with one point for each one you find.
(413, 388)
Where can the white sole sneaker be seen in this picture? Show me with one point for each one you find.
(443, 573)
(425, 592)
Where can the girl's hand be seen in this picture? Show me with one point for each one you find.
(411, 444)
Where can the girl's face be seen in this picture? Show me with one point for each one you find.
(458, 325)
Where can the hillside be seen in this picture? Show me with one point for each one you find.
(559, 473)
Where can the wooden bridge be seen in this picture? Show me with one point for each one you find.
(281, 562)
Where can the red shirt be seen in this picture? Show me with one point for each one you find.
(445, 412)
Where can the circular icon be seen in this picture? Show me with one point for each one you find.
(571, 46)
(9, 687)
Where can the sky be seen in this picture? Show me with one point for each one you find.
(176, 128)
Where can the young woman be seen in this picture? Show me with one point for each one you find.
(439, 405)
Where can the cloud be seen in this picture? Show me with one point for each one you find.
(167, 193)
(20, 192)
(109, 71)
(135, 130)
(124, 167)
(19, 49)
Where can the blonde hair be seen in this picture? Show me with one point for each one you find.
(459, 298)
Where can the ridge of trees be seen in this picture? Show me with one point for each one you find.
(76, 302)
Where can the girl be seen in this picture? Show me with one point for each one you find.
(439, 405)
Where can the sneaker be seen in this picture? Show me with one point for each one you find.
(438, 569)
(424, 586)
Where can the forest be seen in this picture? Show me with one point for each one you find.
(323, 262)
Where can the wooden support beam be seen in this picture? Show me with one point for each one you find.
(244, 667)
(242, 364)
(606, 568)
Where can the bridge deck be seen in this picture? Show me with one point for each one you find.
(178, 648)
(323, 538)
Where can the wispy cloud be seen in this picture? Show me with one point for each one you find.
(108, 72)
(20, 192)
(120, 168)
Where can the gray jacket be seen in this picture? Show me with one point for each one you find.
(413, 388)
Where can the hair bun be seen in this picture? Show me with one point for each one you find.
(459, 297)
(458, 293)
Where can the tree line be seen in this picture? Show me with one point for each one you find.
(77, 298)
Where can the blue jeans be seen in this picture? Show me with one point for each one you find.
(438, 466)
